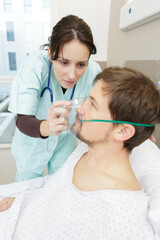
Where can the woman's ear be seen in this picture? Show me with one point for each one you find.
(49, 54)
(124, 132)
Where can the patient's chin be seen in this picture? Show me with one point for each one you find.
(83, 139)
(75, 128)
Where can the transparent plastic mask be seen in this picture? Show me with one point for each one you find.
(74, 118)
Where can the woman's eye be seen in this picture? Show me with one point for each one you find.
(82, 64)
(63, 62)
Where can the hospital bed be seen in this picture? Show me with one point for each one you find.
(150, 68)
(145, 174)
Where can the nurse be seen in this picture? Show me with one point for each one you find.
(48, 80)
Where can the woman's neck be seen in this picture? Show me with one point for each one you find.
(63, 90)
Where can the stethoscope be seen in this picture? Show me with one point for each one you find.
(51, 96)
(50, 90)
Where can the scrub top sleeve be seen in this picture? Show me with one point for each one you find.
(29, 125)
(27, 85)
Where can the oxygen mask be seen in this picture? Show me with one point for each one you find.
(75, 116)
(73, 121)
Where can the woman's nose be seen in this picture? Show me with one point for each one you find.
(72, 73)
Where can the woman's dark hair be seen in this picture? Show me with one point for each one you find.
(69, 28)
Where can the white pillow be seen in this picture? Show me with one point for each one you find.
(145, 162)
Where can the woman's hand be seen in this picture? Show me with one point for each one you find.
(56, 118)
(6, 203)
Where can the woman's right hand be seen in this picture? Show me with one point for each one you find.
(56, 119)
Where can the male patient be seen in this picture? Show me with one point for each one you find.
(96, 195)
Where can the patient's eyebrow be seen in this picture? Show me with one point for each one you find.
(95, 101)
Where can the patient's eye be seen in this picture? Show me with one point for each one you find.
(92, 103)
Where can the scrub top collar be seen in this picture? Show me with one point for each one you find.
(58, 94)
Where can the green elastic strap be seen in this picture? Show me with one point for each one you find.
(115, 121)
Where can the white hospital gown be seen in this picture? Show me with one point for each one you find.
(62, 212)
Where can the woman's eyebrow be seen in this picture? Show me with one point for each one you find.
(65, 59)
(61, 58)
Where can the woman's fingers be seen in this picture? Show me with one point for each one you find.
(57, 117)
(57, 110)
(57, 129)
(60, 112)
(61, 104)
(57, 125)
(59, 122)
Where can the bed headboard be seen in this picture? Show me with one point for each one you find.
(151, 68)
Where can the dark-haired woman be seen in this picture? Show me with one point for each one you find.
(44, 83)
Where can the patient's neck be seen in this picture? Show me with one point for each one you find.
(103, 155)
(104, 167)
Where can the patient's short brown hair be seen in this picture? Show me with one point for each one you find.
(133, 97)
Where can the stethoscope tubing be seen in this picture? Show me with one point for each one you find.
(50, 90)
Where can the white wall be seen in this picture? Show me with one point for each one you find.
(141, 43)
(94, 12)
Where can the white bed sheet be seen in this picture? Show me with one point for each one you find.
(16, 187)
(3, 224)
(12, 190)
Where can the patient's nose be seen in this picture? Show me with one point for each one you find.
(80, 110)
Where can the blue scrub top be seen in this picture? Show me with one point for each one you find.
(31, 154)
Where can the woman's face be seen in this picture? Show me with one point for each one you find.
(71, 63)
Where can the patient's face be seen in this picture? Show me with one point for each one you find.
(95, 107)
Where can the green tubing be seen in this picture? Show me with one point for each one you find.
(115, 121)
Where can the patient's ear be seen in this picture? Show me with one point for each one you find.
(124, 132)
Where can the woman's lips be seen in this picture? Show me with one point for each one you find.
(69, 82)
